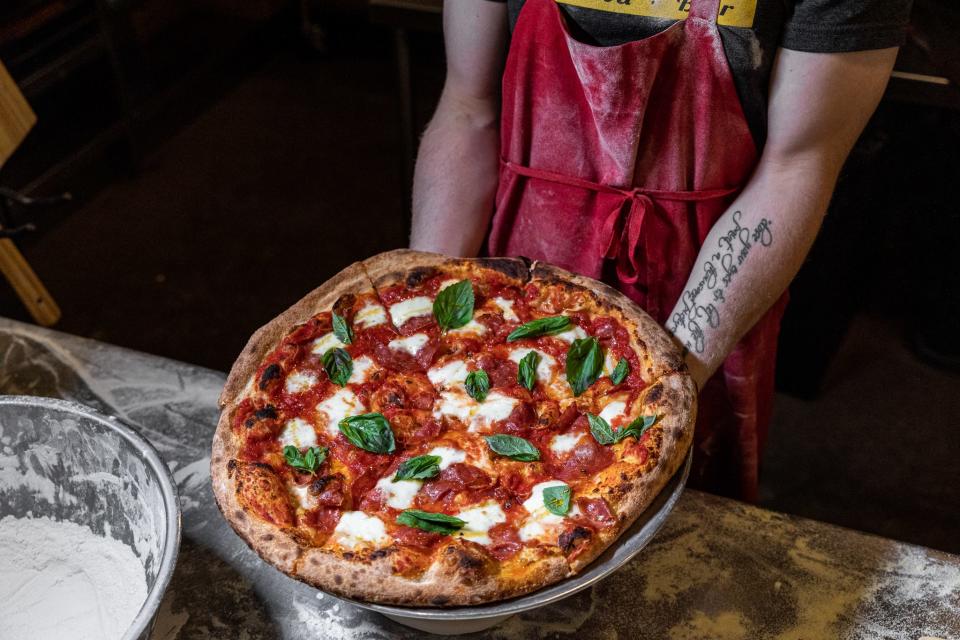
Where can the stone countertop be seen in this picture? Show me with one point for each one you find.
(717, 569)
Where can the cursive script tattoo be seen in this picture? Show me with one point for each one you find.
(699, 310)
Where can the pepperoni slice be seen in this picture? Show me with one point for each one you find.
(597, 512)
(415, 537)
(504, 541)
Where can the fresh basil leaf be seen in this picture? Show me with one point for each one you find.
(453, 307)
(370, 431)
(338, 364)
(540, 327)
(513, 447)
(428, 521)
(527, 370)
(557, 499)
(419, 468)
(620, 372)
(342, 329)
(478, 385)
(309, 461)
(636, 428)
(601, 430)
(584, 364)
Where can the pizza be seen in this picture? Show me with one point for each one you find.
(422, 430)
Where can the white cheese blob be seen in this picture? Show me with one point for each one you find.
(362, 367)
(412, 308)
(298, 433)
(326, 342)
(614, 411)
(357, 529)
(540, 522)
(472, 328)
(477, 415)
(448, 375)
(302, 492)
(410, 344)
(564, 442)
(398, 494)
(571, 334)
(506, 306)
(546, 365)
(300, 381)
(479, 520)
(448, 456)
(338, 406)
(609, 362)
(370, 315)
(445, 284)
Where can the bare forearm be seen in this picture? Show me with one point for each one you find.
(455, 180)
(749, 257)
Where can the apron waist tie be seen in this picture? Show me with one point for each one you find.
(629, 220)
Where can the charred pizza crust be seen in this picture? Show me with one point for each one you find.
(461, 572)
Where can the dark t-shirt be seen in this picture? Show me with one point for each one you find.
(751, 31)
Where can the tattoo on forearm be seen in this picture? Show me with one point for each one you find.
(696, 312)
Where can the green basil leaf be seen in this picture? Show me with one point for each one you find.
(309, 461)
(621, 371)
(636, 428)
(540, 327)
(601, 430)
(428, 521)
(341, 329)
(584, 364)
(557, 499)
(338, 364)
(419, 468)
(478, 385)
(527, 370)
(513, 447)
(370, 431)
(453, 307)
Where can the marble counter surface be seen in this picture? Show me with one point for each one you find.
(718, 568)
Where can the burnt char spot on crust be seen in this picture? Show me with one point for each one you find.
(379, 553)
(267, 537)
(270, 373)
(568, 539)
(655, 392)
(470, 564)
(268, 411)
(338, 579)
(519, 269)
(416, 277)
(439, 601)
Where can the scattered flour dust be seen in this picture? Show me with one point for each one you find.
(61, 580)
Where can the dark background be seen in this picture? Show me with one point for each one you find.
(226, 157)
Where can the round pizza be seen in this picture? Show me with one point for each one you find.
(422, 430)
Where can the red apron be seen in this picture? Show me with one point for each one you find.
(616, 162)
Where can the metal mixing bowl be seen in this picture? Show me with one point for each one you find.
(459, 620)
(65, 461)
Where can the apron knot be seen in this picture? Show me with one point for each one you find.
(622, 233)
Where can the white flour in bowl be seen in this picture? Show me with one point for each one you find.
(61, 580)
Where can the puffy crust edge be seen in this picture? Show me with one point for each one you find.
(391, 267)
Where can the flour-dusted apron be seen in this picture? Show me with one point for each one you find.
(615, 163)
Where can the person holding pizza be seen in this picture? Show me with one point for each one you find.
(688, 162)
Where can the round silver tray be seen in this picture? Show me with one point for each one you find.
(457, 620)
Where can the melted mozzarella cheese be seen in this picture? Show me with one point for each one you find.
(477, 415)
(298, 433)
(506, 306)
(540, 522)
(302, 492)
(450, 374)
(357, 529)
(609, 362)
(571, 334)
(546, 365)
(412, 308)
(473, 328)
(361, 370)
(448, 456)
(338, 406)
(445, 284)
(370, 315)
(299, 381)
(564, 442)
(398, 494)
(614, 411)
(326, 342)
(410, 344)
(479, 519)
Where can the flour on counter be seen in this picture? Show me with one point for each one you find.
(61, 580)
